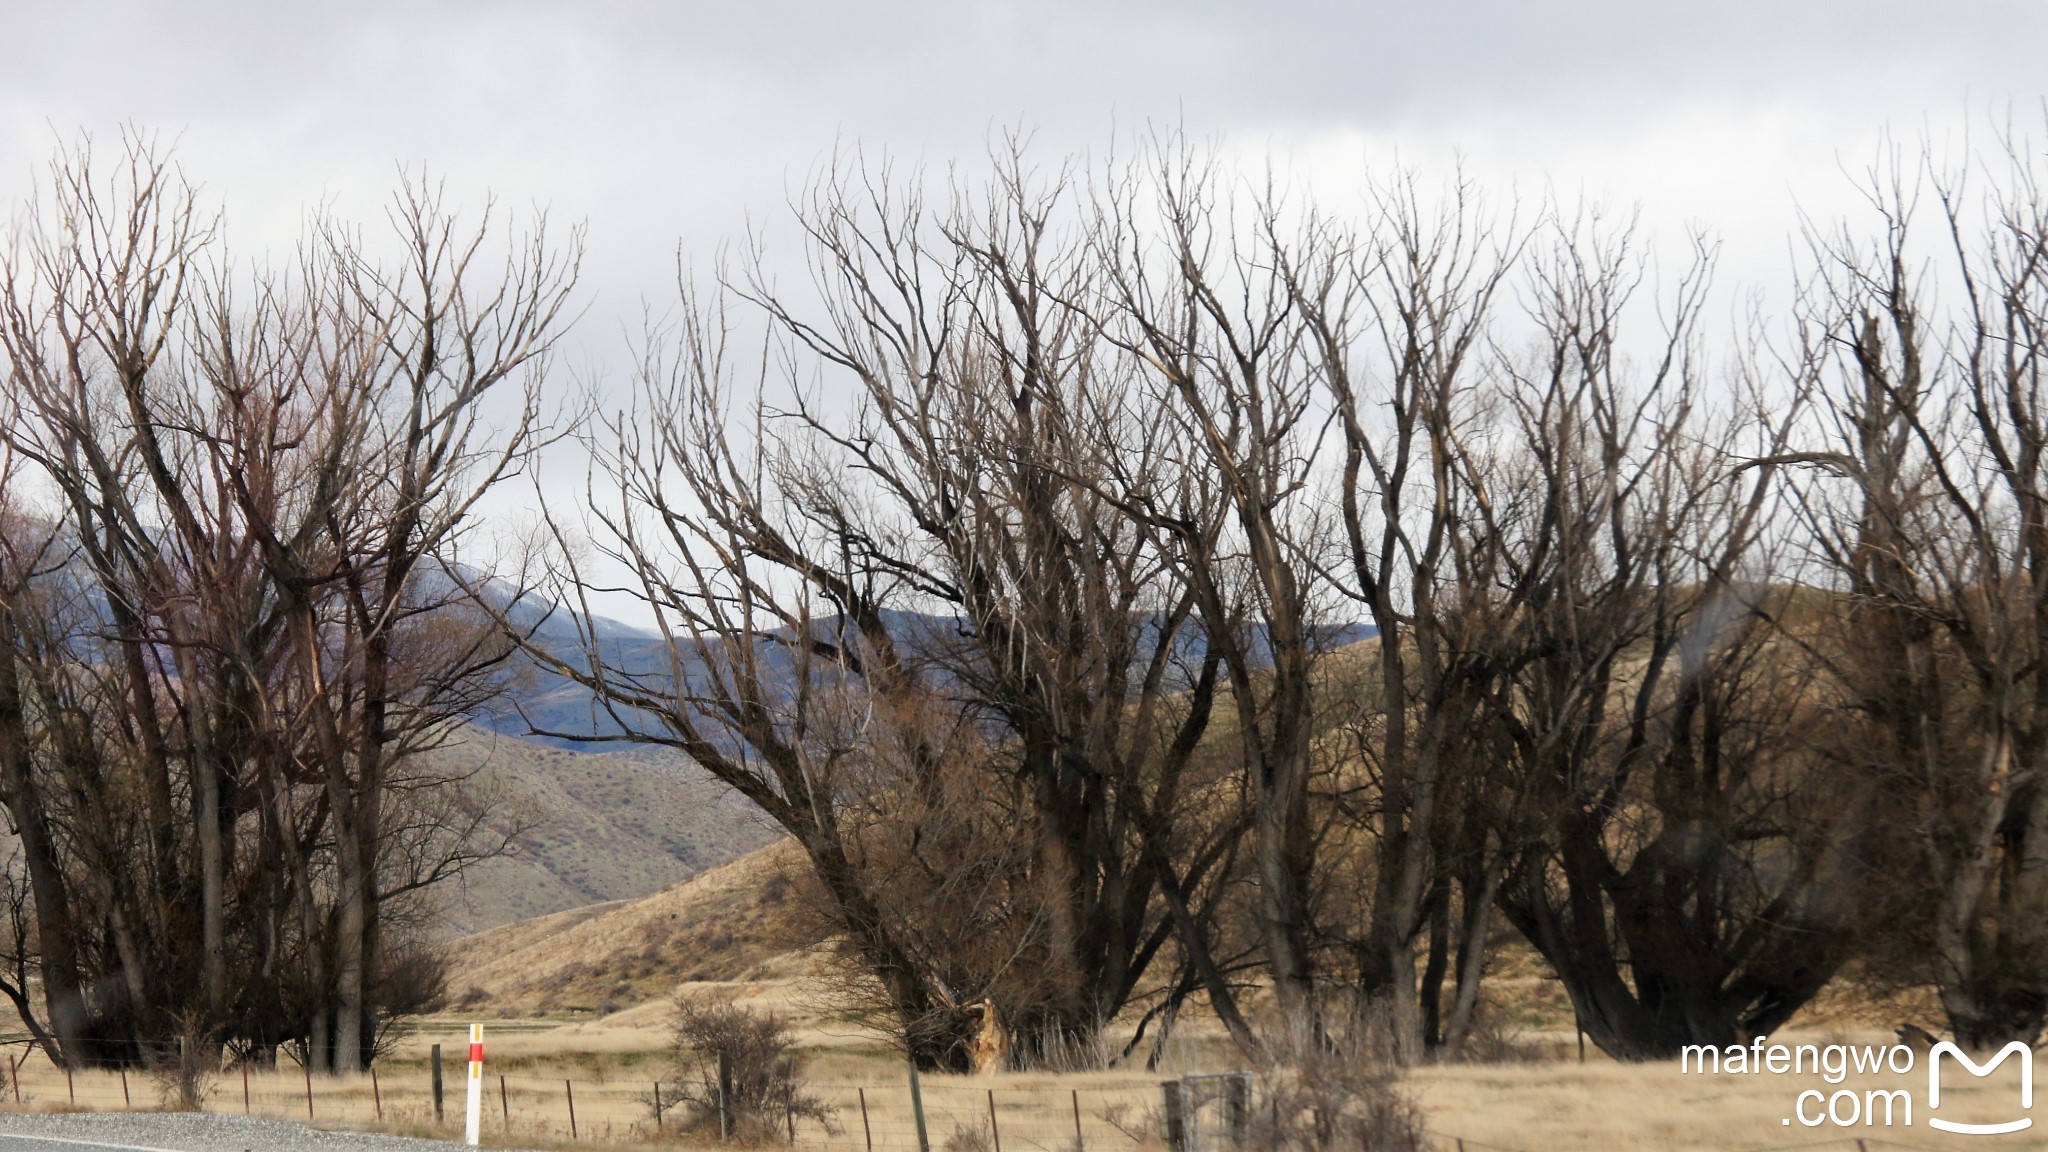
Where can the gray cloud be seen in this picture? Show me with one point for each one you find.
(662, 122)
(676, 122)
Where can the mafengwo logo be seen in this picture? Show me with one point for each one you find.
(2016, 1048)
(1858, 1107)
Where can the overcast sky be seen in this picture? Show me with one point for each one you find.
(662, 123)
(667, 124)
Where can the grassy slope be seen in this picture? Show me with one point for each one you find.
(733, 923)
(600, 828)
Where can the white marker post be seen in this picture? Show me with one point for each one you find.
(473, 1120)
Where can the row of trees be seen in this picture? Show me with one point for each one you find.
(231, 502)
(1127, 584)
(1131, 584)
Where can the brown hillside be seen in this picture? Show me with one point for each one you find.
(738, 922)
(597, 828)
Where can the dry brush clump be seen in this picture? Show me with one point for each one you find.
(737, 1075)
(1336, 1091)
(185, 1068)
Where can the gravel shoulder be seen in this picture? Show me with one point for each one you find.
(187, 1132)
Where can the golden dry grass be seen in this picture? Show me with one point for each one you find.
(732, 923)
(1564, 1106)
(1549, 1106)
(719, 935)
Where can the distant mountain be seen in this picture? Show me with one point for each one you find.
(549, 708)
(606, 819)
(596, 827)
(603, 819)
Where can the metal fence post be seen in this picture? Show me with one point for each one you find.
(924, 1140)
(438, 1115)
(1237, 1097)
(1176, 1115)
(570, 1090)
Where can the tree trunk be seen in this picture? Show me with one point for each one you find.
(206, 820)
(1283, 858)
(350, 922)
(63, 999)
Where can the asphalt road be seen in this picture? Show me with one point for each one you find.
(186, 1132)
(58, 1144)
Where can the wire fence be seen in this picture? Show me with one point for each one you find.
(959, 1114)
(595, 1108)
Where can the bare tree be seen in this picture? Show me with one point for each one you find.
(385, 404)
(911, 628)
(1935, 522)
(1690, 880)
(1222, 360)
(1397, 317)
(259, 496)
(29, 550)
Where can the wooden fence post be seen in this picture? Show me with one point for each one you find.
(438, 1116)
(14, 1077)
(725, 1117)
(245, 1088)
(657, 1107)
(1176, 1115)
(924, 1140)
(377, 1093)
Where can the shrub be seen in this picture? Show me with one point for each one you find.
(1493, 1039)
(766, 1078)
(970, 1138)
(1339, 1091)
(187, 1067)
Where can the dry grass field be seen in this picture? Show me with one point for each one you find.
(584, 995)
(534, 1068)
(576, 1006)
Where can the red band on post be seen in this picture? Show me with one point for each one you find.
(476, 1053)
